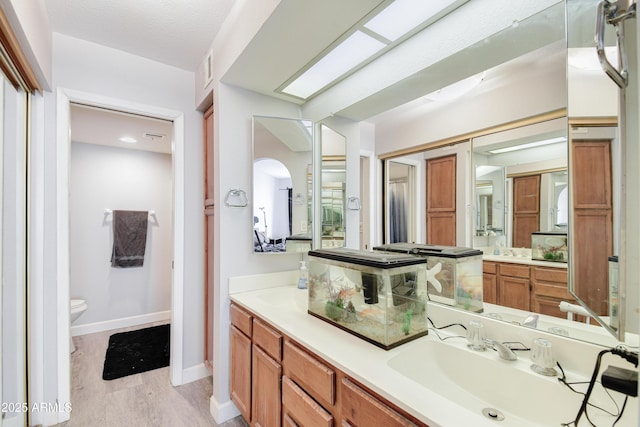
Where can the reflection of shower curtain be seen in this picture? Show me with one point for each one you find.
(397, 212)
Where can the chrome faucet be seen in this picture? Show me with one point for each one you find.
(503, 350)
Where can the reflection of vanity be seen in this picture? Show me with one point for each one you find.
(518, 282)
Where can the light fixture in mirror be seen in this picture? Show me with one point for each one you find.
(282, 164)
(334, 184)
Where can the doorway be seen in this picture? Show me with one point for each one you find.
(64, 100)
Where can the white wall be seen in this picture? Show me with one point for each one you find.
(530, 96)
(234, 109)
(118, 178)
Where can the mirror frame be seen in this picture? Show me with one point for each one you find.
(309, 188)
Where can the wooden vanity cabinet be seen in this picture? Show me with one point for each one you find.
(361, 409)
(240, 343)
(266, 402)
(531, 288)
(490, 282)
(514, 286)
(292, 386)
(549, 289)
(256, 353)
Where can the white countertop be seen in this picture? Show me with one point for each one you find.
(523, 260)
(285, 308)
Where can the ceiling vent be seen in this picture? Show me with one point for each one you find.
(154, 136)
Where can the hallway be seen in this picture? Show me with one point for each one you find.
(145, 399)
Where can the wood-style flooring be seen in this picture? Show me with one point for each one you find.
(145, 399)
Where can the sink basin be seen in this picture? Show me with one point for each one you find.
(286, 298)
(481, 380)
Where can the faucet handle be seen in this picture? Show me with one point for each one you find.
(475, 336)
(542, 357)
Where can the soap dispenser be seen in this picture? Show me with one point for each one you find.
(304, 276)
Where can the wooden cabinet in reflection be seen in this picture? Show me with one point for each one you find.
(526, 209)
(592, 232)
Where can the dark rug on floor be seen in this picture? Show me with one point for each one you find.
(136, 351)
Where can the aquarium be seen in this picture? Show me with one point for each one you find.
(379, 297)
(298, 243)
(549, 246)
(454, 274)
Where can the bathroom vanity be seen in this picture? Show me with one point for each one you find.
(525, 284)
(290, 368)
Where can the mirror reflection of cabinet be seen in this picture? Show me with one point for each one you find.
(592, 221)
(526, 209)
(282, 155)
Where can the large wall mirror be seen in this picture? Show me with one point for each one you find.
(518, 182)
(282, 185)
(596, 164)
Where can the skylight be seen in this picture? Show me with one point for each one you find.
(383, 31)
(402, 16)
(351, 52)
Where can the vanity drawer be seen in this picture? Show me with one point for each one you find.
(557, 275)
(489, 267)
(241, 319)
(299, 406)
(514, 270)
(314, 376)
(268, 339)
(359, 408)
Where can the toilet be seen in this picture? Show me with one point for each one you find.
(78, 306)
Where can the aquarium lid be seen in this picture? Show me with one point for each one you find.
(429, 250)
(304, 237)
(369, 259)
(550, 233)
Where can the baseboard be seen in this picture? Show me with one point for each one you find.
(125, 322)
(195, 373)
(222, 412)
(11, 422)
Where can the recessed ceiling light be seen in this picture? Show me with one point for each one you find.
(402, 16)
(345, 56)
(128, 139)
(529, 145)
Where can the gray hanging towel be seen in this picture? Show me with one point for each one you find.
(129, 238)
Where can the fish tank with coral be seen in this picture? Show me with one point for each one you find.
(454, 274)
(379, 297)
(549, 246)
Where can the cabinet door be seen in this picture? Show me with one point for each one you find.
(360, 409)
(441, 201)
(514, 292)
(241, 372)
(526, 209)
(489, 288)
(266, 402)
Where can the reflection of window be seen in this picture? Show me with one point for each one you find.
(562, 207)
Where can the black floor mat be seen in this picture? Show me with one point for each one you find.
(136, 351)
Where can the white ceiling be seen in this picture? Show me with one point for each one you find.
(174, 32)
(92, 125)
